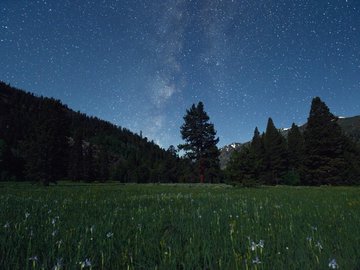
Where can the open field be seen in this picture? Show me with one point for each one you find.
(115, 226)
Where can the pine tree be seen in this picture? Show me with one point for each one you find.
(258, 152)
(200, 142)
(296, 148)
(325, 147)
(275, 162)
(170, 165)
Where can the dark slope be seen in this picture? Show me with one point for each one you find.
(106, 151)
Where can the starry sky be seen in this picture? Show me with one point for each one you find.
(141, 64)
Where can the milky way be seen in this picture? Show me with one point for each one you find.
(141, 64)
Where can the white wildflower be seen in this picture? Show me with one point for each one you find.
(261, 244)
(319, 246)
(333, 264)
(59, 264)
(59, 243)
(254, 246)
(256, 261)
(34, 258)
(85, 263)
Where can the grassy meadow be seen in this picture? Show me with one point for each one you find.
(113, 226)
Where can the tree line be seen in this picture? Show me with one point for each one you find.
(321, 155)
(42, 140)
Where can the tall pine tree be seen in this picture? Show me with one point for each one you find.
(325, 147)
(275, 162)
(200, 142)
(296, 149)
(258, 152)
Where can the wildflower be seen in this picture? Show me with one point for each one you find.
(309, 239)
(253, 246)
(59, 264)
(109, 234)
(232, 225)
(86, 263)
(256, 261)
(314, 228)
(27, 215)
(7, 225)
(319, 246)
(59, 243)
(261, 243)
(34, 258)
(54, 233)
(333, 264)
(92, 228)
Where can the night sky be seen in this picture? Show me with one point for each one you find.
(141, 64)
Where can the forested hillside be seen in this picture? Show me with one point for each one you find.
(43, 140)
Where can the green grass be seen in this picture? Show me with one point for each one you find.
(178, 227)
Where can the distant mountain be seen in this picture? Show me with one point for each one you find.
(350, 126)
(226, 152)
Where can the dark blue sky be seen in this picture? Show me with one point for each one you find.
(141, 64)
